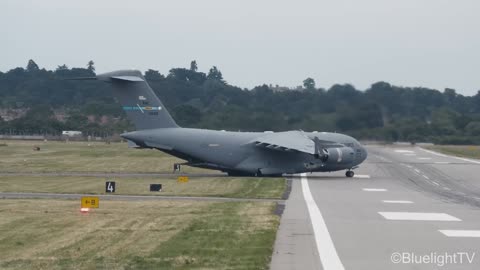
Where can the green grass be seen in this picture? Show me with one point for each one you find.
(216, 186)
(53, 234)
(18, 156)
(468, 151)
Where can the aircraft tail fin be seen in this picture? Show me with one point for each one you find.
(138, 100)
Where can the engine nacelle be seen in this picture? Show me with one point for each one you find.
(341, 155)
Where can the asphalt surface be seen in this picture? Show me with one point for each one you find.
(410, 209)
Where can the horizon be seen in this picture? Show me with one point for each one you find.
(430, 43)
(272, 85)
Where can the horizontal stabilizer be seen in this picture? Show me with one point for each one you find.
(132, 144)
(127, 78)
(81, 79)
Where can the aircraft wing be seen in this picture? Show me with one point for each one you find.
(291, 141)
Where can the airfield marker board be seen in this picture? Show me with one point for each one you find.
(182, 179)
(90, 202)
(155, 187)
(109, 187)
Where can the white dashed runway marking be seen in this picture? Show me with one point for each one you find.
(374, 189)
(416, 216)
(399, 201)
(441, 162)
(361, 176)
(424, 158)
(460, 233)
(404, 151)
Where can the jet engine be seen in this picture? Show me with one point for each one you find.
(343, 155)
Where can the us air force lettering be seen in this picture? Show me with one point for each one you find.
(236, 153)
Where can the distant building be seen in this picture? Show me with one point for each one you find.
(71, 133)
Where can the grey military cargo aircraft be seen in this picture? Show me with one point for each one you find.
(236, 153)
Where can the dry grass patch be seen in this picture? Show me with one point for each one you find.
(19, 156)
(53, 234)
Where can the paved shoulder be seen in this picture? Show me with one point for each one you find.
(295, 246)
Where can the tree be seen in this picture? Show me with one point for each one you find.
(193, 65)
(450, 95)
(90, 66)
(153, 75)
(62, 67)
(215, 74)
(32, 66)
(473, 128)
(309, 84)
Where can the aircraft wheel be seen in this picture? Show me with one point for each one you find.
(349, 174)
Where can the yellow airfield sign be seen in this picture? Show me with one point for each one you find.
(182, 179)
(90, 202)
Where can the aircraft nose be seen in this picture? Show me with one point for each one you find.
(364, 152)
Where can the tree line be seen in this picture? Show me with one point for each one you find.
(206, 100)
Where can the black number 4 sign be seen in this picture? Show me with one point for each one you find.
(109, 187)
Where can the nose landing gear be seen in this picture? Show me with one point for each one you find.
(349, 173)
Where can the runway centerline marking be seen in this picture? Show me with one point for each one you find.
(397, 201)
(426, 177)
(326, 249)
(417, 170)
(441, 162)
(374, 189)
(461, 233)
(417, 216)
(424, 158)
(435, 183)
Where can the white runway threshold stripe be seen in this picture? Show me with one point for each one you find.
(461, 233)
(418, 216)
(326, 249)
(397, 201)
(374, 189)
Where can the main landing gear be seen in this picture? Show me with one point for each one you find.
(349, 173)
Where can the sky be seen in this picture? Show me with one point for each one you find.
(428, 43)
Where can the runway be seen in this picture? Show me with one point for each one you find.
(411, 209)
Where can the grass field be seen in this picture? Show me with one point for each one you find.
(217, 186)
(53, 234)
(469, 151)
(18, 156)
